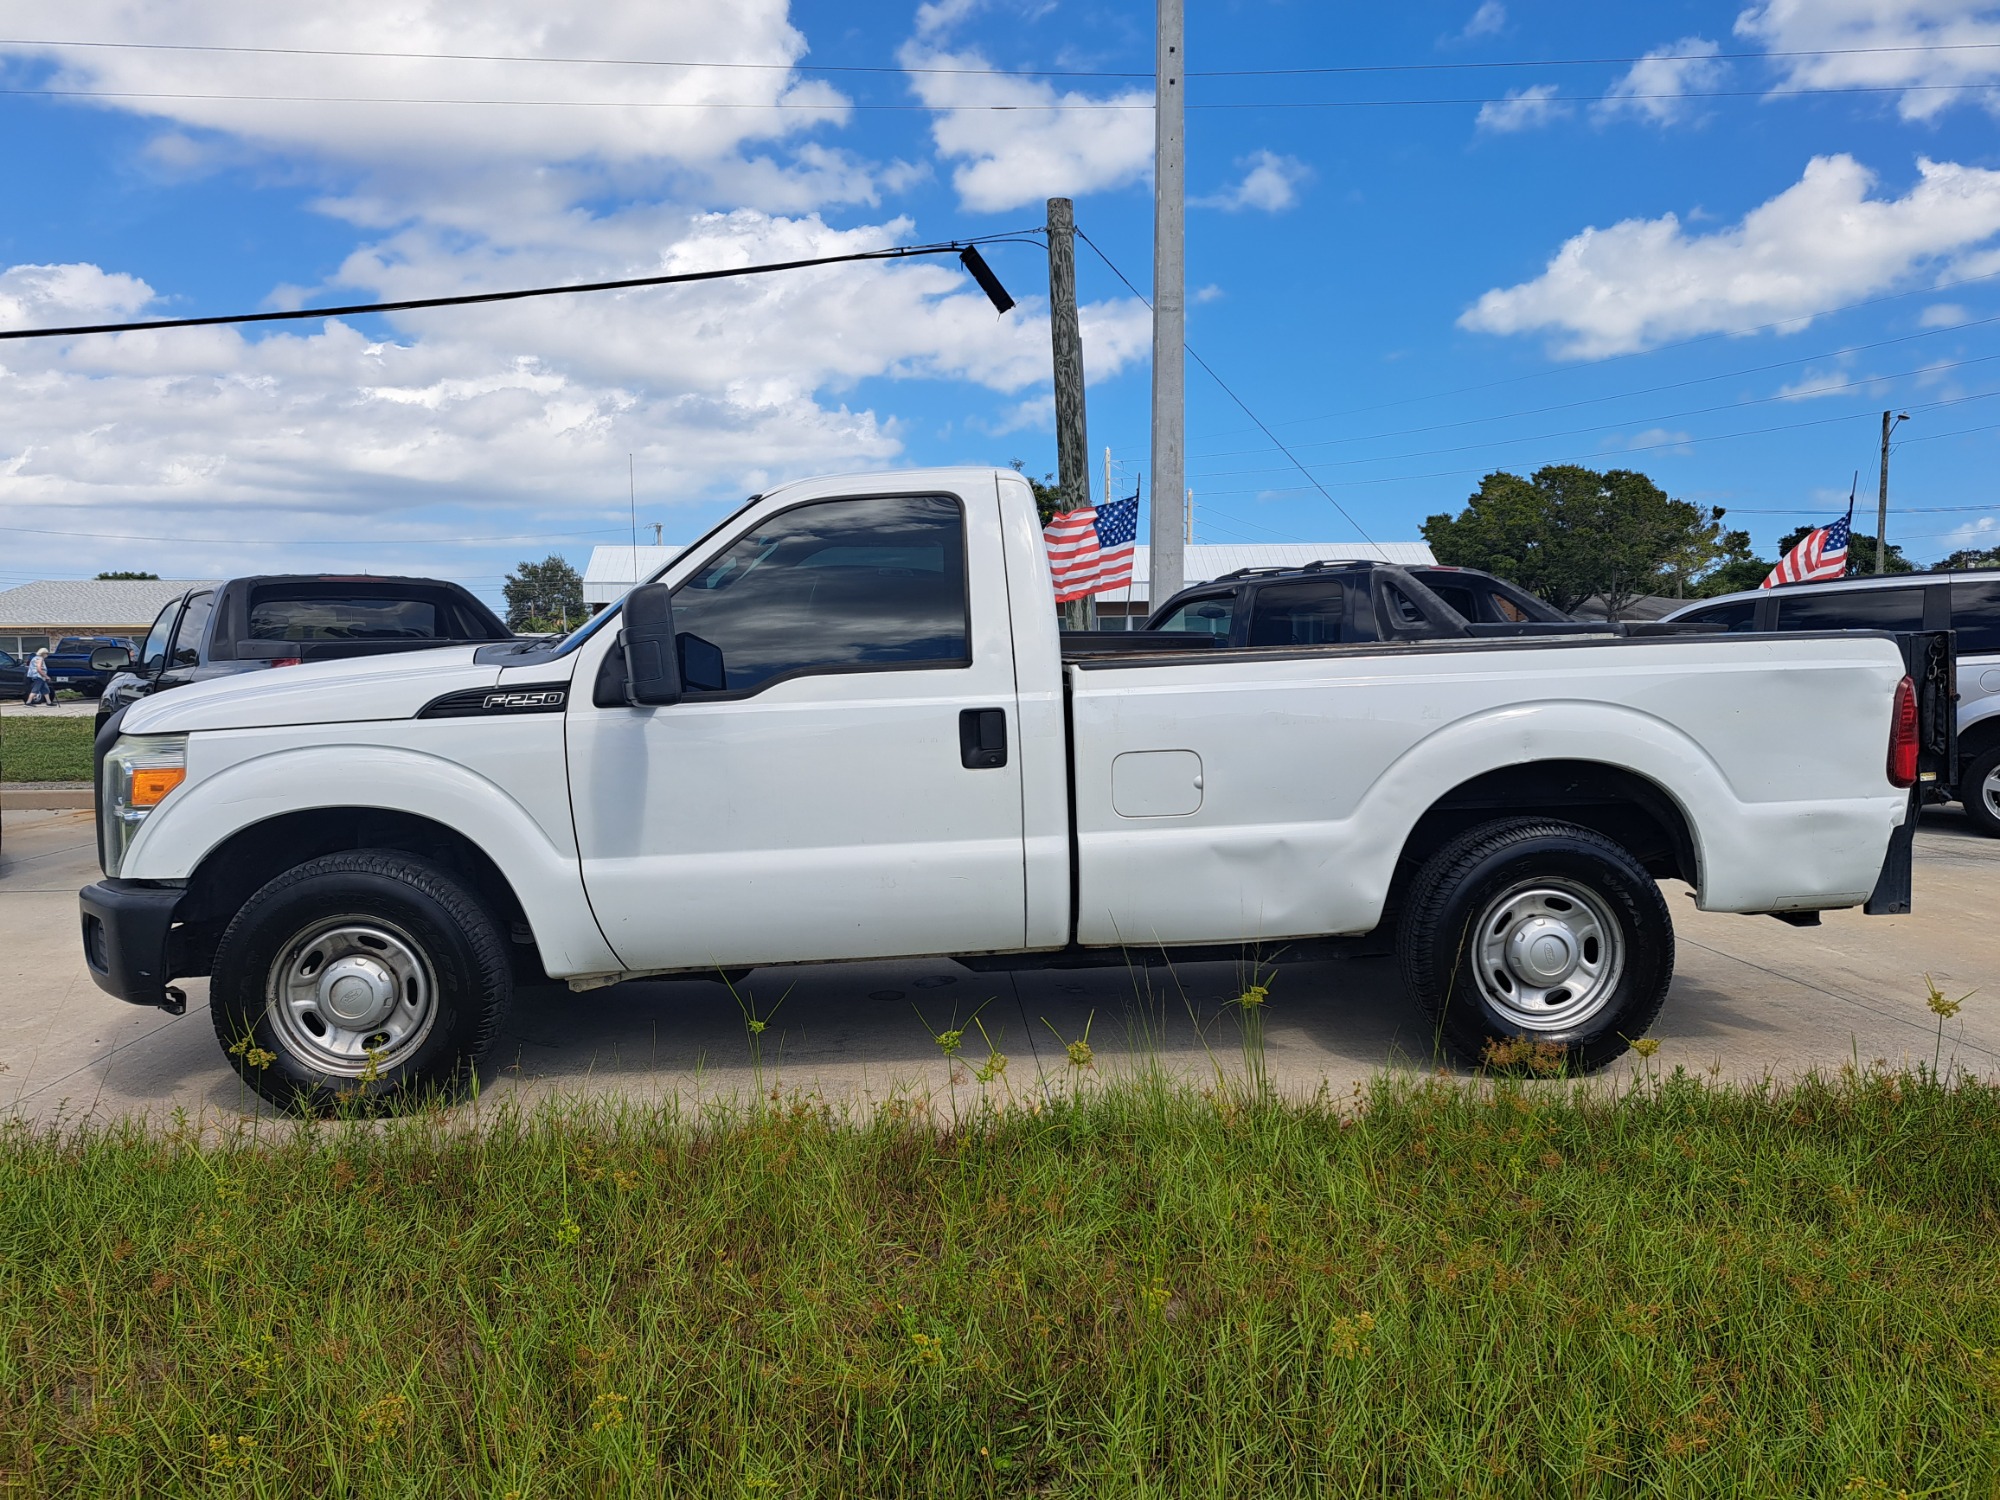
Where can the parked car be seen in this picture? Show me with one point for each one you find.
(283, 620)
(70, 662)
(1966, 603)
(1346, 603)
(843, 726)
(13, 677)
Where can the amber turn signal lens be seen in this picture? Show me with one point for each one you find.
(150, 785)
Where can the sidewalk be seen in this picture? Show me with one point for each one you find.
(75, 708)
(46, 796)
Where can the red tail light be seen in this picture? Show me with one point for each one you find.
(1903, 736)
(293, 661)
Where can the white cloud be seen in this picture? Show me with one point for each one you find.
(1488, 20)
(1020, 140)
(1270, 182)
(1834, 379)
(1523, 109)
(1655, 438)
(1943, 315)
(1820, 242)
(1208, 293)
(1930, 47)
(1655, 88)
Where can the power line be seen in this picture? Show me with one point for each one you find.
(1923, 48)
(467, 299)
(1231, 394)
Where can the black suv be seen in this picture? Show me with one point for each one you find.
(1965, 603)
(281, 620)
(1337, 603)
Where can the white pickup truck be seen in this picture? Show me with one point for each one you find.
(843, 725)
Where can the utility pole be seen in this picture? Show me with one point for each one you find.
(1882, 500)
(1066, 345)
(1169, 308)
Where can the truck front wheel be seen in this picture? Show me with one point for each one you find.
(369, 975)
(1537, 932)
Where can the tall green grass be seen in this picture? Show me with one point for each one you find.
(1439, 1288)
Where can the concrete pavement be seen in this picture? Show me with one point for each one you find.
(1750, 996)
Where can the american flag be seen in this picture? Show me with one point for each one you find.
(1821, 553)
(1090, 550)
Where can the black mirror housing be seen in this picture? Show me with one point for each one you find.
(111, 658)
(652, 671)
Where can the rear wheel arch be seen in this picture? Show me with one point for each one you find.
(1633, 811)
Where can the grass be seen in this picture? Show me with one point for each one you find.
(1441, 1288)
(52, 749)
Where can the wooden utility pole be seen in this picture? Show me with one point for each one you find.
(1169, 309)
(1882, 497)
(1066, 346)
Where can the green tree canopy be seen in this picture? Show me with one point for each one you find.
(1570, 532)
(547, 595)
(1968, 558)
(129, 577)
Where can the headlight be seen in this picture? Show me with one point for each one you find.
(139, 773)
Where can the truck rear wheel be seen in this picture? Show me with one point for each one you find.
(368, 975)
(1538, 932)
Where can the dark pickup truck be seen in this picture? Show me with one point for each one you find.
(281, 620)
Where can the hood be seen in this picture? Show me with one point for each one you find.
(330, 692)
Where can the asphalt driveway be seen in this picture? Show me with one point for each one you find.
(1751, 996)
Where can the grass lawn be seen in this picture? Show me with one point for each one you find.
(49, 749)
(1456, 1289)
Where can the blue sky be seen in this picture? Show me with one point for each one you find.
(1709, 241)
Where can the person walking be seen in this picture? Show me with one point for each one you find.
(40, 689)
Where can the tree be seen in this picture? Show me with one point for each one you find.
(129, 577)
(1048, 496)
(1571, 532)
(547, 595)
(1967, 559)
(1860, 552)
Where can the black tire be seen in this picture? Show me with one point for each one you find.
(402, 935)
(1982, 810)
(1511, 878)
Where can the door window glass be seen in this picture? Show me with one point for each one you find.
(1300, 614)
(835, 586)
(1852, 609)
(1738, 614)
(154, 654)
(1975, 615)
(1211, 615)
(194, 624)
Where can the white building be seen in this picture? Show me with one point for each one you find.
(612, 570)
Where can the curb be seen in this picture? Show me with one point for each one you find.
(46, 796)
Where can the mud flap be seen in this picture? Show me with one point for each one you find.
(1891, 897)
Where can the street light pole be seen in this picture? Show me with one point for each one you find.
(1169, 309)
(1882, 498)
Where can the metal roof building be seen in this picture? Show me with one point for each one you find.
(614, 569)
(38, 614)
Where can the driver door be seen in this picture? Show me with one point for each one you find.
(814, 795)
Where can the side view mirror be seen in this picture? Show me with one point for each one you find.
(652, 672)
(111, 658)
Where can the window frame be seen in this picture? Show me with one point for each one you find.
(738, 695)
(173, 650)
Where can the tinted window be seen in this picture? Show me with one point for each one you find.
(834, 586)
(1975, 615)
(354, 618)
(154, 654)
(193, 626)
(7, 660)
(1460, 596)
(1852, 609)
(1738, 614)
(1212, 615)
(1299, 614)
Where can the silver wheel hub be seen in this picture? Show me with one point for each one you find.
(1989, 791)
(1547, 954)
(351, 993)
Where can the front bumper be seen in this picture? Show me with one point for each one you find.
(127, 927)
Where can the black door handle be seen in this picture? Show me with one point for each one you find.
(982, 738)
